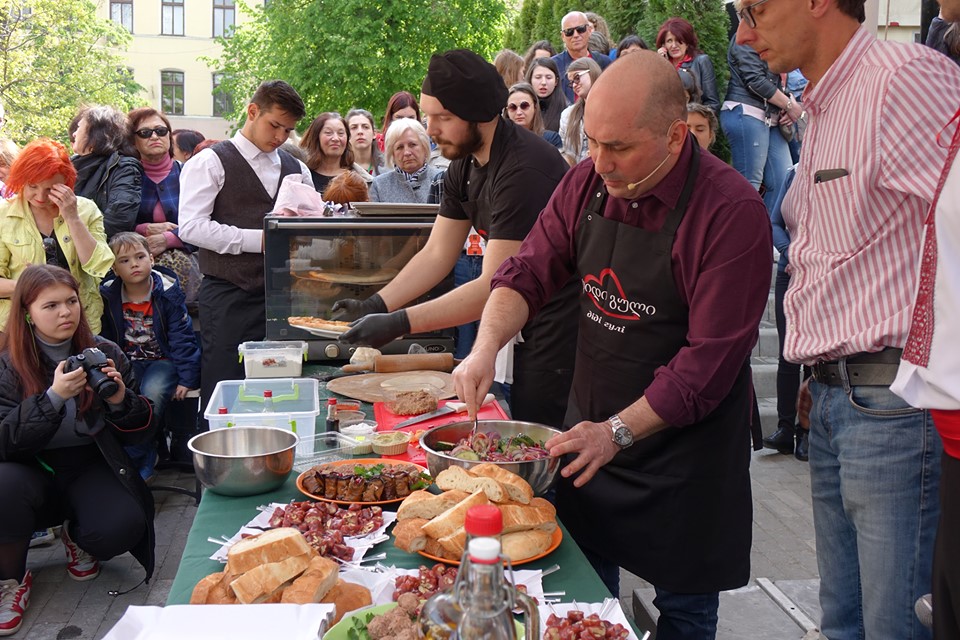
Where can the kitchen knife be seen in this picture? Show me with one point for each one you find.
(450, 407)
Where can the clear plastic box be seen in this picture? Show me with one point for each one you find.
(273, 359)
(323, 447)
(296, 405)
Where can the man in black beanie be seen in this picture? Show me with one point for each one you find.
(500, 178)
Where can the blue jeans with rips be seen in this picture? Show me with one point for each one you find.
(759, 153)
(874, 476)
(158, 380)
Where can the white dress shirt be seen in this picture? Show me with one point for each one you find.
(202, 179)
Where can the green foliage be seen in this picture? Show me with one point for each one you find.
(54, 56)
(340, 54)
(708, 17)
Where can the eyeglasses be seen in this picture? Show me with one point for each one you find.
(146, 134)
(579, 29)
(575, 78)
(746, 14)
(523, 106)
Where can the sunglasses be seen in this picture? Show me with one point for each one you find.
(575, 78)
(579, 29)
(147, 133)
(523, 106)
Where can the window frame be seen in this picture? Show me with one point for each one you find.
(222, 102)
(223, 7)
(172, 6)
(169, 105)
(121, 4)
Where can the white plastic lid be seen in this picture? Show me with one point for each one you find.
(486, 550)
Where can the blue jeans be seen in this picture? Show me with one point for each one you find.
(759, 153)
(467, 268)
(874, 476)
(158, 380)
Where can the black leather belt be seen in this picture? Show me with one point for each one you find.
(877, 369)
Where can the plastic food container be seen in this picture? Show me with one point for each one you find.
(391, 443)
(411, 399)
(295, 405)
(329, 446)
(348, 418)
(362, 433)
(273, 359)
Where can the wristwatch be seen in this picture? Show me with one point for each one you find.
(622, 436)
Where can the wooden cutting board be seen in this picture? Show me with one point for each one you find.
(371, 387)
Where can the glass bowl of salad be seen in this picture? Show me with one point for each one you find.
(514, 445)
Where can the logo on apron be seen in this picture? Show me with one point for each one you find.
(607, 295)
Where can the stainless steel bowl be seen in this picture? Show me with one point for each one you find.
(243, 461)
(539, 473)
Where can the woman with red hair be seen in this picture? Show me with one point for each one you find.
(61, 442)
(45, 223)
(677, 42)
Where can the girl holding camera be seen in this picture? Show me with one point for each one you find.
(61, 443)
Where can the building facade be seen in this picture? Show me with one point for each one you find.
(171, 39)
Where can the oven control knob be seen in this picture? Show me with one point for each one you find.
(332, 350)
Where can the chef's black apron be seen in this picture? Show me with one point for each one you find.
(674, 508)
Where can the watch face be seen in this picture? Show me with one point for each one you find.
(623, 437)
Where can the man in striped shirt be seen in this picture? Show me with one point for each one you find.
(855, 214)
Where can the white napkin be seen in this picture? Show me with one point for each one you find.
(608, 610)
(223, 622)
(381, 585)
(361, 544)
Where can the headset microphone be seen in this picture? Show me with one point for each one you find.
(634, 185)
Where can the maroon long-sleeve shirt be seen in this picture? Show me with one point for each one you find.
(722, 258)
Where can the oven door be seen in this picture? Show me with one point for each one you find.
(310, 263)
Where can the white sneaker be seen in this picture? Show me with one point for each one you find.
(41, 537)
(80, 564)
(14, 598)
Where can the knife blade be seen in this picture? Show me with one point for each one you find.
(450, 407)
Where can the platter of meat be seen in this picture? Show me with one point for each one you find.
(365, 481)
(325, 525)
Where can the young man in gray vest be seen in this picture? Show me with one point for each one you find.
(225, 191)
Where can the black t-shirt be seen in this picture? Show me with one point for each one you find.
(503, 198)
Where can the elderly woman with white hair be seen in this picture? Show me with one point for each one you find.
(407, 149)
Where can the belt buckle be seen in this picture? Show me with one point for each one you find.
(819, 371)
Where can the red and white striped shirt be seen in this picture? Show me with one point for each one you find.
(855, 239)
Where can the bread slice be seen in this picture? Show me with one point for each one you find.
(521, 545)
(453, 518)
(518, 489)
(260, 583)
(408, 534)
(221, 593)
(459, 478)
(454, 543)
(314, 583)
(201, 592)
(423, 504)
(347, 597)
(268, 547)
(521, 517)
(435, 549)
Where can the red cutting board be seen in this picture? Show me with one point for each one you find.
(385, 421)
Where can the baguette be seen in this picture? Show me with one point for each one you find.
(221, 593)
(521, 517)
(314, 583)
(261, 583)
(454, 543)
(521, 545)
(518, 489)
(408, 534)
(452, 519)
(423, 504)
(347, 597)
(434, 548)
(201, 592)
(268, 547)
(459, 478)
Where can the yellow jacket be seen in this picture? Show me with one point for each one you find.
(22, 245)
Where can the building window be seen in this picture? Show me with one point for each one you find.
(172, 17)
(224, 14)
(171, 92)
(222, 101)
(121, 12)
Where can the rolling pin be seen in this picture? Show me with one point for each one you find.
(394, 364)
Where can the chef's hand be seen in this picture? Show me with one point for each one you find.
(376, 330)
(593, 444)
(804, 404)
(351, 309)
(472, 379)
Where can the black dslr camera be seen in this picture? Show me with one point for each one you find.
(93, 361)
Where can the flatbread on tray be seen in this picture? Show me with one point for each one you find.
(309, 322)
(354, 276)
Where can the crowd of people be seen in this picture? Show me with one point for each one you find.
(592, 229)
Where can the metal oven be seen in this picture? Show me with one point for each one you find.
(310, 263)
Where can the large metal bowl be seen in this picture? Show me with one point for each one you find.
(243, 461)
(539, 473)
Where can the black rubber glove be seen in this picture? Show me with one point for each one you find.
(377, 329)
(351, 309)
